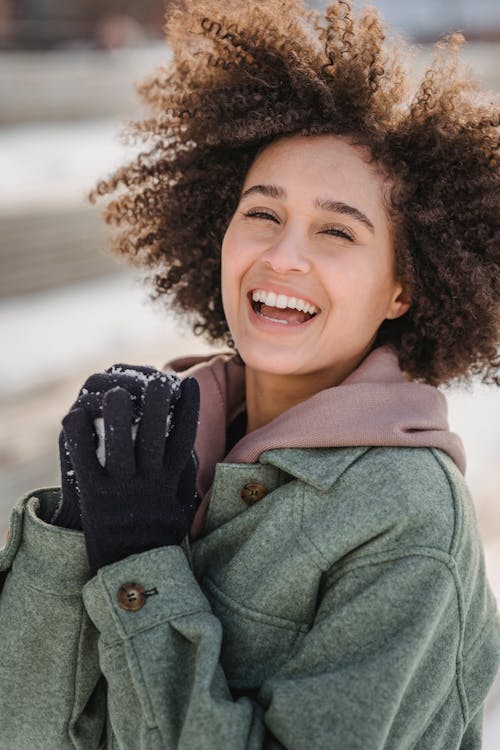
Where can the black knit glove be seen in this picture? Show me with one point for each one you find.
(144, 496)
(131, 377)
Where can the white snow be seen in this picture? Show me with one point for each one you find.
(48, 165)
(48, 336)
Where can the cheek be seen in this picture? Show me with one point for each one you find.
(361, 288)
(226, 275)
(237, 256)
(230, 250)
(230, 273)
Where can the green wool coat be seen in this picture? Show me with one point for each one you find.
(347, 608)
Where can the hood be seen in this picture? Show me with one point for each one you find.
(374, 406)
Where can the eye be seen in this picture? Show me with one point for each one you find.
(337, 232)
(258, 213)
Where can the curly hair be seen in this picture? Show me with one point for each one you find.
(243, 74)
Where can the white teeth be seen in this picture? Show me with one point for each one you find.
(282, 301)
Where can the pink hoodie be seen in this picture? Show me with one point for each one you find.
(374, 405)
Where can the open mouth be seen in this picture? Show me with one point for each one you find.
(278, 308)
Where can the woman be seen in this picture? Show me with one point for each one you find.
(311, 576)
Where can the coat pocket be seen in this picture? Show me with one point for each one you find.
(254, 644)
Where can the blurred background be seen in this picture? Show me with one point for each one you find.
(67, 307)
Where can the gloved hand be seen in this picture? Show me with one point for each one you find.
(144, 497)
(134, 379)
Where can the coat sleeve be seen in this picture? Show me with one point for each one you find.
(378, 661)
(52, 694)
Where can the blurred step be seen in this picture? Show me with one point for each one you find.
(43, 250)
(72, 84)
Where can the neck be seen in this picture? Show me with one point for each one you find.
(269, 395)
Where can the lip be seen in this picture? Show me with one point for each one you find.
(270, 326)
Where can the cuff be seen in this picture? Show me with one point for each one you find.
(141, 592)
(50, 556)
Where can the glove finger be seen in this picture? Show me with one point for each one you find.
(150, 442)
(80, 440)
(185, 424)
(67, 513)
(92, 392)
(102, 382)
(91, 402)
(91, 396)
(68, 479)
(119, 443)
(187, 488)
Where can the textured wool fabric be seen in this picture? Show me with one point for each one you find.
(348, 608)
(374, 405)
(144, 497)
(50, 677)
(90, 397)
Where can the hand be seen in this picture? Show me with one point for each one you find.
(144, 496)
(131, 377)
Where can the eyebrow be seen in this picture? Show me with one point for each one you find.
(271, 191)
(338, 207)
(343, 208)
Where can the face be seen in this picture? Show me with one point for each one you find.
(308, 261)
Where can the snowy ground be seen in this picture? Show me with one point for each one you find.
(47, 165)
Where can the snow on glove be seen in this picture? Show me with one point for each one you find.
(144, 497)
(134, 379)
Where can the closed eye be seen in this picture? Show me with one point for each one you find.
(336, 232)
(259, 214)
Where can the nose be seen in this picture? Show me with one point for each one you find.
(287, 254)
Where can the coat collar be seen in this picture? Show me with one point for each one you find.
(318, 467)
(375, 405)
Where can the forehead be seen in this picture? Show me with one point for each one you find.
(324, 166)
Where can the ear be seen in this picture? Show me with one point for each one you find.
(400, 302)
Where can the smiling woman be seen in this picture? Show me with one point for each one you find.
(276, 547)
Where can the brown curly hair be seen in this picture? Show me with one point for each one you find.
(243, 74)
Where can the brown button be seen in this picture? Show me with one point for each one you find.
(131, 596)
(253, 492)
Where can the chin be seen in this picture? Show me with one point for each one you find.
(270, 360)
